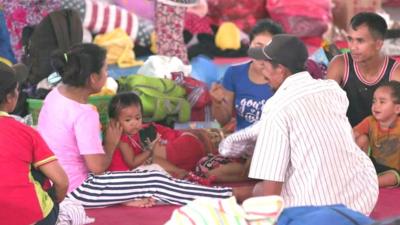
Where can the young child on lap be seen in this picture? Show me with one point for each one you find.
(73, 133)
(379, 134)
(175, 151)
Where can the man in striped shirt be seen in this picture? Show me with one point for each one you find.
(305, 149)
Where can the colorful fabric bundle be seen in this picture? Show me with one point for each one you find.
(119, 48)
(23, 13)
(169, 31)
(254, 211)
(6, 53)
(209, 211)
(101, 18)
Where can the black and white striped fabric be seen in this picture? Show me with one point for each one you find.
(113, 188)
(306, 142)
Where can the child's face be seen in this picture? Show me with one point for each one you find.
(384, 109)
(131, 119)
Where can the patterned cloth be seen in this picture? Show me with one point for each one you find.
(101, 17)
(72, 213)
(209, 211)
(210, 137)
(182, 3)
(78, 5)
(244, 13)
(22, 13)
(6, 53)
(146, 28)
(197, 25)
(169, 30)
(254, 211)
(212, 161)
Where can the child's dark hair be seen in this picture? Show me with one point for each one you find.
(4, 93)
(123, 100)
(76, 65)
(265, 25)
(394, 86)
(375, 23)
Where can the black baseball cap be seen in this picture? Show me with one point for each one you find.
(9, 75)
(284, 49)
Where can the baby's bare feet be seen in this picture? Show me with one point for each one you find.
(142, 203)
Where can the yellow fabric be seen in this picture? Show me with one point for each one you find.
(228, 36)
(153, 41)
(5, 61)
(2, 113)
(45, 202)
(119, 48)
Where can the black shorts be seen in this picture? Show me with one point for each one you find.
(380, 169)
(50, 219)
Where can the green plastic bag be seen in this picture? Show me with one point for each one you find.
(160, 98)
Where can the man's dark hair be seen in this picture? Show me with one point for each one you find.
(375, 23)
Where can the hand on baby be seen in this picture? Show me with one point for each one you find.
(113, 132)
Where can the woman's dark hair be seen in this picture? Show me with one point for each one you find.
(375, 23)
(76, 65)
(394, 86)
(265, 25)
(123, 100)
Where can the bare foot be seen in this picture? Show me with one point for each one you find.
(242, 193)
(141, 203)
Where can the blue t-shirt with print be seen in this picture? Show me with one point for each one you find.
(249, 97)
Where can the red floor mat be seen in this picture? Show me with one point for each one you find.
(388, 206)
(122, 215)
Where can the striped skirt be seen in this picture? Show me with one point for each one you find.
(112, 188)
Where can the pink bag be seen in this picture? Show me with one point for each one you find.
(303, 18)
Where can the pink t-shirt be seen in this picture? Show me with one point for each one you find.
(71, 130)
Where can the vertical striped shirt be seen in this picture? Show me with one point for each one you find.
(306, 142)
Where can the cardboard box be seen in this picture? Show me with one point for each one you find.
(344, 10)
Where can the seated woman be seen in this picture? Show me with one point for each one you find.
(244, 89)
(379, 134)
(243, 93)
(71, 127)
(26, 165)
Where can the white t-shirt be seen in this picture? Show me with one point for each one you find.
(71, 130)
(306, 142)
